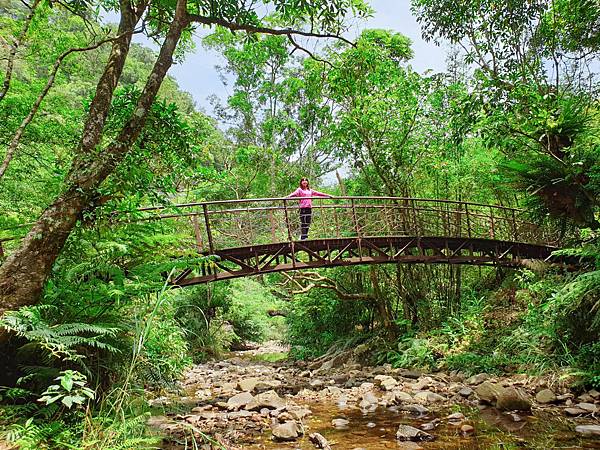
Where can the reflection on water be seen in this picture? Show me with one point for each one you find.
(376, 430)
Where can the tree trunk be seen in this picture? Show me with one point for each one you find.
(24, 273)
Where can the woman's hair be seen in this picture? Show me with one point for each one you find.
(307, 182)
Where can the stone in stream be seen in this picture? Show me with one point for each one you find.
(456, 417)
(402, 397)
(589, 407)
(415, 409)
(588, 430)
(269, 399)
(340, 423)
(545, 396)
(239, 400)
(319, 441)
(408, 433)
(426, 397)
(505, 398)
(575, 411)
(287, 431)
(247, 384)
(594, 394)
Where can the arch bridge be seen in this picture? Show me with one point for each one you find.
(259, 236)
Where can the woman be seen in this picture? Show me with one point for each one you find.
(306, 193)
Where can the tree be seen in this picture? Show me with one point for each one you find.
(536, 97)
(23, 274)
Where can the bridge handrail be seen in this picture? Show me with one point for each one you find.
(292, 199)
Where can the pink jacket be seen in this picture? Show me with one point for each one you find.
(305, 196)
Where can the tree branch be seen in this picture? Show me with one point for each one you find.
(15, 46)
(233, 26)
(12, 147)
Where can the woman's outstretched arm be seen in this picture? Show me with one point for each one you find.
(296, 193)
(318, 194)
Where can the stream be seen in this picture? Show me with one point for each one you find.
(250, 402)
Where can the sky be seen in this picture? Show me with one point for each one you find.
(198, 75)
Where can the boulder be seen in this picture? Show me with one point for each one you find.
(488, 392)
(408, 433)
(269, 399)
(287, 431)
(510, 399)
(239, 400)
(402, 397)
(247, 384)
(545, 396)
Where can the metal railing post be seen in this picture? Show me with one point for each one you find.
(208, 232)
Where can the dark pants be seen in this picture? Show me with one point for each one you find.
(305, 218)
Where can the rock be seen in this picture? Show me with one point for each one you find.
(466, 392)
(340, 423)
(515, 417)
(287, 431)
(408, 433)
(426, 397)
(594, 394)
(239, 400)
(402, 397)
(389, 384)
(505, 398)
(415, 409)
(488, 392)
(575, 411)
(545, 396)
(588, 430)
(423, 383)
(456, 417)
(466, 429)
(586, 398)
(428, 426)
(316, 383)
(478, 379)
(412, 374)
(563, 397)
(299, 412)
(247, 384)
(369, 400)
(589, 407)
(269, 399)
(319, 441)
(512, 399)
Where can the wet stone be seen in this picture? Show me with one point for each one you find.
(287, 431)
(588, 430)
(340, 423)
(408, 433)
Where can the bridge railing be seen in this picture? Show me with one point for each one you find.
(218, 225)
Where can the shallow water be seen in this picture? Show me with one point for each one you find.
(493, 430)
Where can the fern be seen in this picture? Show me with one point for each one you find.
(61, 341)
